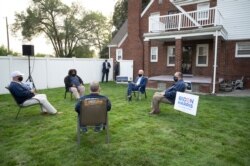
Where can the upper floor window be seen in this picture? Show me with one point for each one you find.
(154, 54)
(202, 55)
(242, 49)
(118, 54)
(203, 11)
(171, 56)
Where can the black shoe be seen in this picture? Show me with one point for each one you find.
(129, 97)
(97, 129)
(84, 129)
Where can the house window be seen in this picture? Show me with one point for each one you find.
(118, 54)
(171, 56)
(155, 24)
(242, 49)
(202, 55)
(154, 54)
(202, 11)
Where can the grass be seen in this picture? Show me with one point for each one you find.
(218, 135)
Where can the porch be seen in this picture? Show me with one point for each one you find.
(195, 83)
(186, 20)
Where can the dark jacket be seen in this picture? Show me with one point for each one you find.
(142, 84)
(20, 92)
(170, 93)
(92, 95)
(104, 69)
(68, 83)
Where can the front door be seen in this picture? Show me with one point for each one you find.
(186, 67)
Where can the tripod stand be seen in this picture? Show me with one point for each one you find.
(30, 79)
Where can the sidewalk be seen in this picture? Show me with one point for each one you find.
(236, 93)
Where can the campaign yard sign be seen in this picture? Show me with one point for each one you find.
(186, 103)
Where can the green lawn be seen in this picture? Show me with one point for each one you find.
(218, 135)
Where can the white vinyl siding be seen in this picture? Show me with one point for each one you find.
(171, 56)
(119, 54)
(236, 17)
(202, 55)
(242, 50)
(154, 54)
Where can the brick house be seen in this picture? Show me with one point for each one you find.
(207, 40)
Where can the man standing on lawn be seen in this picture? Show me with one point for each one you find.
(26, 96)
(168, 96)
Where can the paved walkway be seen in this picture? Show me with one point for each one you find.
(237, 93)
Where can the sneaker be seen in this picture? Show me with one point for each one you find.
(84, 129)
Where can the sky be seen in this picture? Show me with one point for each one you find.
(8, 8)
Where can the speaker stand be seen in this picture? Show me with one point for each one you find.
(30, 79)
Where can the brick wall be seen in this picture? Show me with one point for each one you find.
(235, 68)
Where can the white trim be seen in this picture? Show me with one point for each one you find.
(145, 10)
(236, 50)
(197, 54)
(156, 54)
(168, 64)
(114, 45)
(215, 61)
(123, 39)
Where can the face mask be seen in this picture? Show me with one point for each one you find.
(20, 78)
(175, 79)
(139, 75)
(73, 74)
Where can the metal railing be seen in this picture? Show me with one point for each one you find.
(199, 18)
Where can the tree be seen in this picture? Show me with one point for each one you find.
(83, 51)
(4, 52)
(66, 27)
(100, 30)
(121, 13)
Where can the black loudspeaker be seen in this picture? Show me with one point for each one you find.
(28, 50)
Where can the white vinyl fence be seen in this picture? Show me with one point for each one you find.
(50, 72)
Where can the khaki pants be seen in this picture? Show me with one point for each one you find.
(77, 91)
(157, 99)
(46, 106)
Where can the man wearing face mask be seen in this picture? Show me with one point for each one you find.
(140, 81)
(74, 84)
(168, 96)
(26, 96)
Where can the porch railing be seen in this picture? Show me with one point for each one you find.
(199, 18)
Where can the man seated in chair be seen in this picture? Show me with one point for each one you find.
(26, 96)
(94, 94)
(168, 96)
(139, 82)
(74, 84)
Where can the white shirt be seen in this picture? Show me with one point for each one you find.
(138, 81)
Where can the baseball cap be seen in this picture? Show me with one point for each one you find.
(16, 73)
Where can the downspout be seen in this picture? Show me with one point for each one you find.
(215, 60)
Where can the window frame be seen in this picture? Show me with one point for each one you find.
(203, 9)
(156, 56)
(237, 49)
(118, 53)
(168, 55)
(197, 54)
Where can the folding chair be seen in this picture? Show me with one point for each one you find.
(93, 112)
(141, 90)
(67, 90)
(21, 105)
